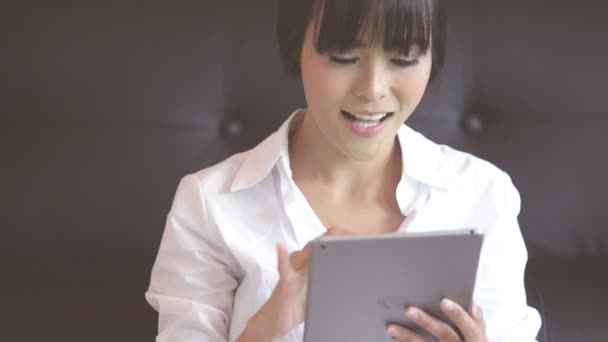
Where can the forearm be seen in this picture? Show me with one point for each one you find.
(258, 329)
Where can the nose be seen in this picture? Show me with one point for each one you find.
(372, 83)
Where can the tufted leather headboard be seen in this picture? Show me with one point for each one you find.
(524, 87)
(104, 105)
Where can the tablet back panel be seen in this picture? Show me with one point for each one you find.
(358, 284)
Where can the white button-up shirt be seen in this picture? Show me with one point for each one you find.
(217, 262)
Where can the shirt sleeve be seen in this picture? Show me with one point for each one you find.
(500, 290)
(192, 282)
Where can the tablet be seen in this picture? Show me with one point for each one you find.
(358, 284)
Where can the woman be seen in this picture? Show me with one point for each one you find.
(345, 161)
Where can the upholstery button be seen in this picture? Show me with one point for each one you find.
(472, 124)
(231, 128)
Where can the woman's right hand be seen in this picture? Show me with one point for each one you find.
(284, 310)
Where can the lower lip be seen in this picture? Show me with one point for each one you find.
(366, 131)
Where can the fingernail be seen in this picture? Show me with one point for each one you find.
(448, 304)
(413, 314)
(392, 331)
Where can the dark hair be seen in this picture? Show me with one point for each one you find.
(342, 25)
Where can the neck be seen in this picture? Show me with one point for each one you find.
(315, 160)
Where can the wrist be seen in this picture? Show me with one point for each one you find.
(259, 329)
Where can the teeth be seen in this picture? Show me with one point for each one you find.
(366, 124)
(375, 117)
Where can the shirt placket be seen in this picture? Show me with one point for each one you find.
(302, 219)
(411, 197)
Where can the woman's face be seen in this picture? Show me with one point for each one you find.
(357, 100)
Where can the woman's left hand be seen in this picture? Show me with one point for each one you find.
(471, 324)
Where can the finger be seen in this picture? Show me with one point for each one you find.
(283, 263)
(435, 327)
(299, 259)
(465, 323)
(477, 315)
(399, 333)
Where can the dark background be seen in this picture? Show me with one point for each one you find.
(105, 105)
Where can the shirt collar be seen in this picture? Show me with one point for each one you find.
(260, 161)
(422, 158)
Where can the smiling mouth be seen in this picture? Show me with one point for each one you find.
(371, 119)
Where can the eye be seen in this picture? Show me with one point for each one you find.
(409, 58)
(404, 62)
(343, 61)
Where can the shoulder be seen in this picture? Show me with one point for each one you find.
(242, 183)
(463, 178)
(466, 169)
(465, 190)
(217, 207)
(481, 188)
(247, 170)
(240, 171)
(218, 178)
(197, 190)
(443, 166)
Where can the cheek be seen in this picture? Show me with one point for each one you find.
(324, 88)
(333, 90)
(411, 87)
